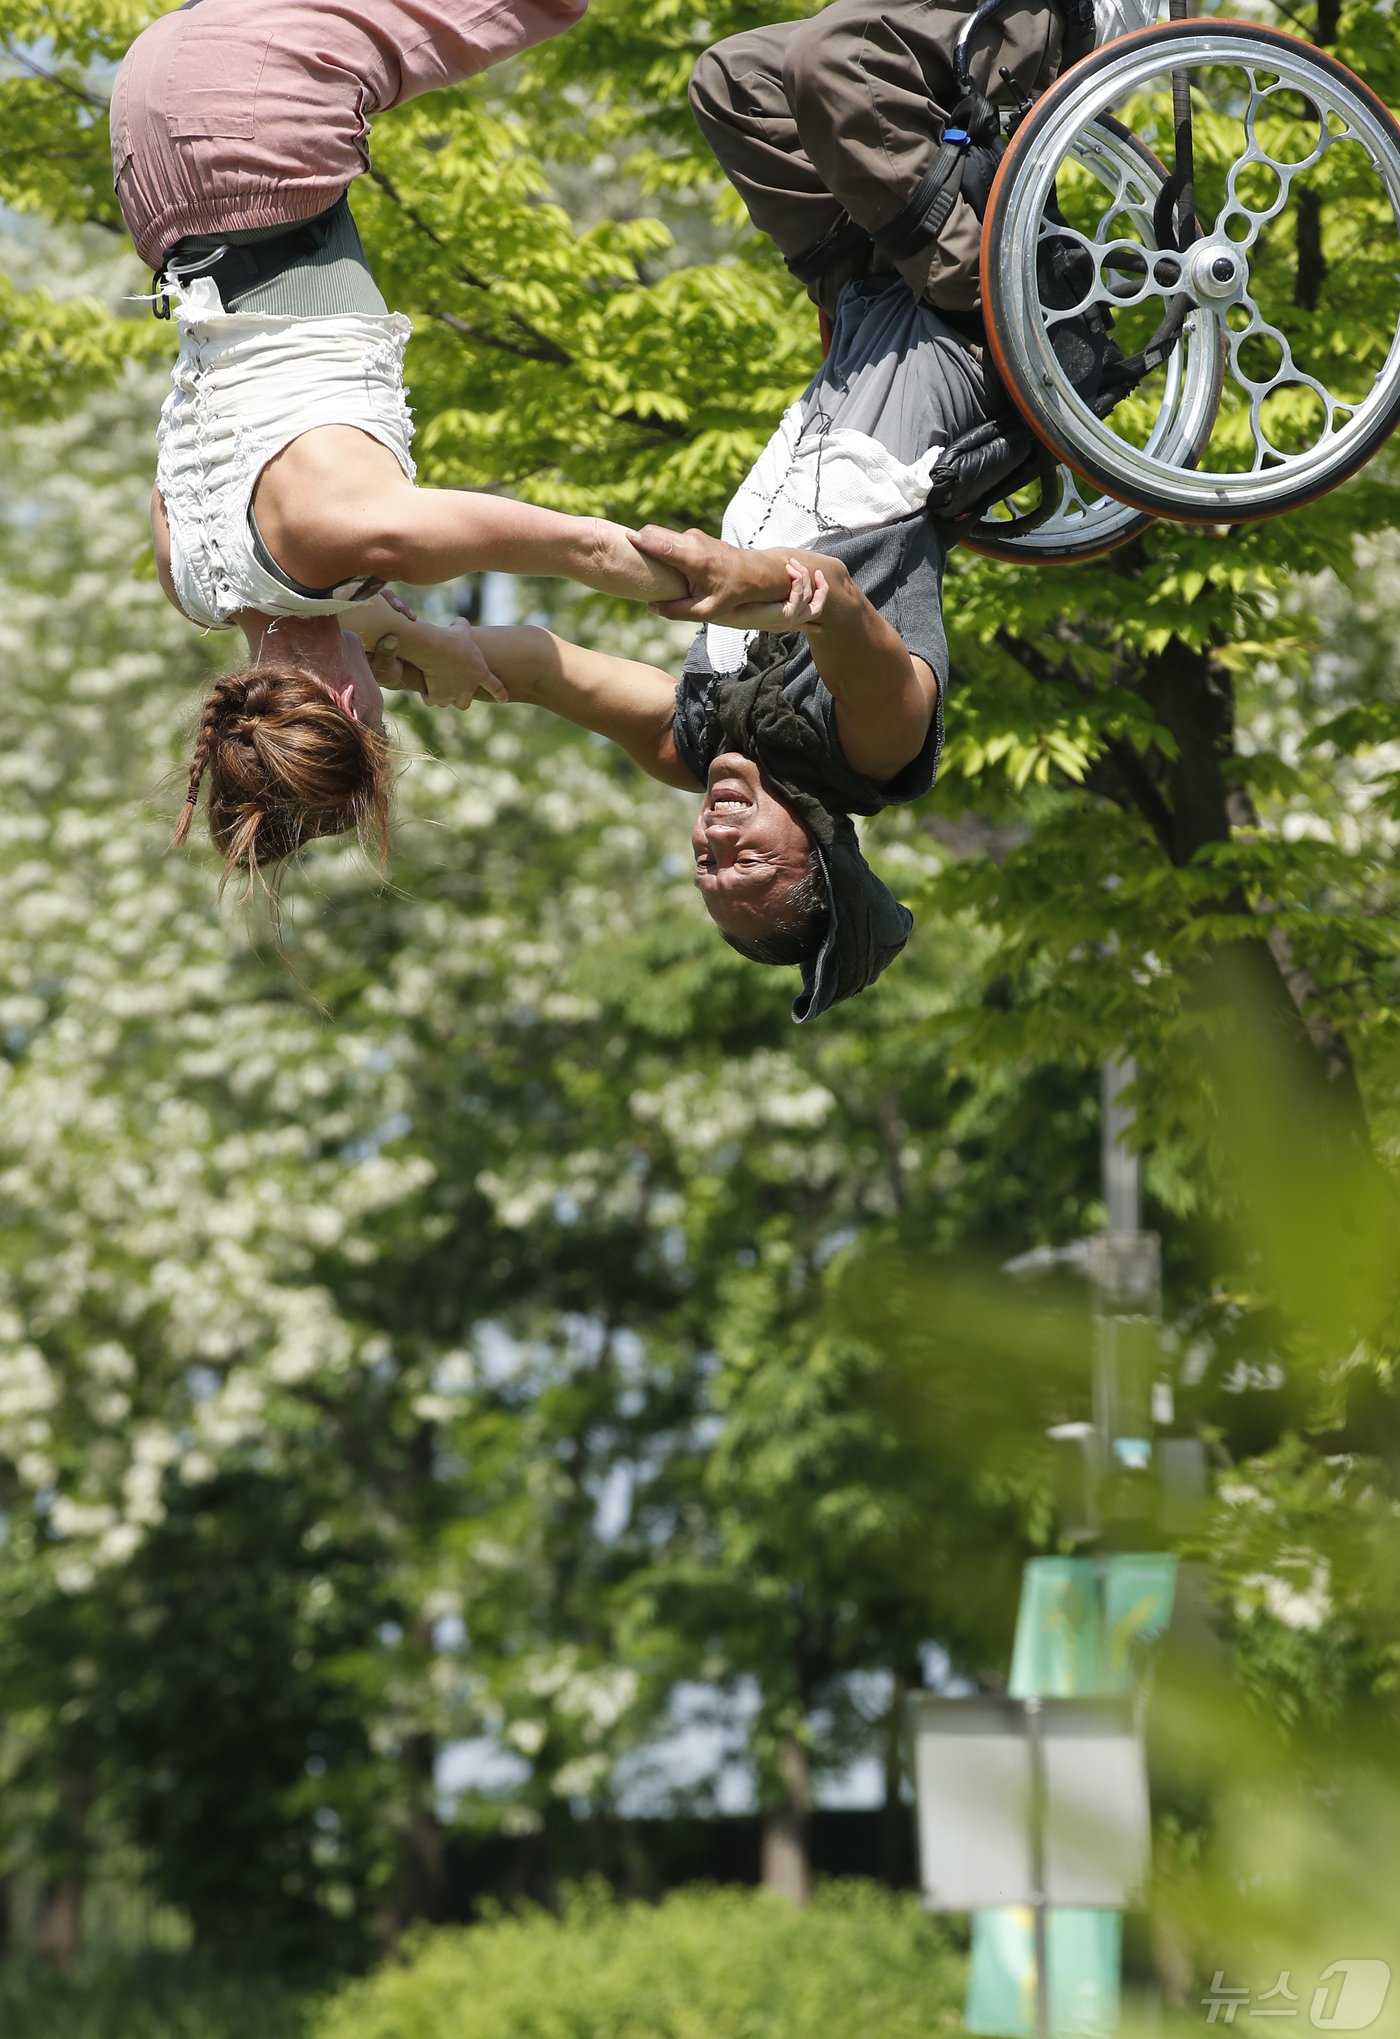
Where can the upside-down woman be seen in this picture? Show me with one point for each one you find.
(285, 494)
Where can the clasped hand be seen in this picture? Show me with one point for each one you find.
(748, 590)
(443, 665)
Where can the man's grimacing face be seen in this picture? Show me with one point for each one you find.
(751, 851)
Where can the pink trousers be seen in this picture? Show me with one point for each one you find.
(231, 114)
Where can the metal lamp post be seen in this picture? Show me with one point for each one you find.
(1033, 1802)
(1013, 1783)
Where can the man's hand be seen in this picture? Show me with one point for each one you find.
(769, 589)
(720, 578)
(804, 607)
(445, 667)
(616, 565)
(395, 675)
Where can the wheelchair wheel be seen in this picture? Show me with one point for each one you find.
(1127, 180)
(1081, 523)
(1297, 181)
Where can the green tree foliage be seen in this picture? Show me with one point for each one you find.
(545, 1255)
(211, 1696)
(240, 1653)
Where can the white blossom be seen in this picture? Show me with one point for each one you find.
(69, 1517)
(581, 1777)
(118, 1544)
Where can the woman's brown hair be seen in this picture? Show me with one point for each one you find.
(284, 764)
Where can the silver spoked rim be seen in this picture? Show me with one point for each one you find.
(1084, 519)
(1216, 272)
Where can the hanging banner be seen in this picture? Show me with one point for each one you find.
(1083, 1630)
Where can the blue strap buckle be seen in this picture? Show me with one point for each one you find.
(958, 136)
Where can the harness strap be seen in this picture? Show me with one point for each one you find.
(846, 240)
(923, 219)
(178, 273)
(1121, 377)
(972, 126)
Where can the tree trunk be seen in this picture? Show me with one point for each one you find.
(1191, 804)
(422, 1880)
(1194, 696)
(58, 1935)
(787, 1865)
(894, 1813)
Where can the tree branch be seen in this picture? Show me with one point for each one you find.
(78, 92)
(1137, 782)
(1040, 668)
(663, 428)
(1312, 263)
(660, 428)
(544, 350)
(1140, 792)
(415, 219)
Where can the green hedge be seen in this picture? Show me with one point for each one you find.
(703, 1964)
(150, 1997)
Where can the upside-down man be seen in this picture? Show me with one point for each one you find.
(814, 687)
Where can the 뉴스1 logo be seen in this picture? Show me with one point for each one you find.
(1352, 1996)
(1349, 1997)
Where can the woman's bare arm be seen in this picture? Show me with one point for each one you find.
(435, 534)
(336, 504)
(631, 704)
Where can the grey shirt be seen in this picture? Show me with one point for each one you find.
(896, 372)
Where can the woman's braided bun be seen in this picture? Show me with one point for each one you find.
(284, 764)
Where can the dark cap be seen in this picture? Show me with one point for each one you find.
(866, 926)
